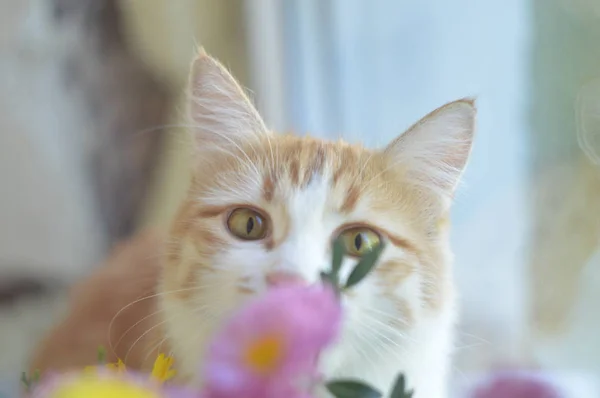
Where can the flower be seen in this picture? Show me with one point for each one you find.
(104, 384)
(119, 367)
(516, 385)
(273, 343)
(161, 370)
(103, 388)
(95, 385)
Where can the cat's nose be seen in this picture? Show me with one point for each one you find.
(278, 278)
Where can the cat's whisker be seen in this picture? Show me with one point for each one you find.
(200, 102)
(362, 353)
(382, 346)
(277, 157)
(155, 349)
(393, 332)
(386, 315)
(246, 164)
(164, 127)
(457, 348)
(150, 329)
(250, 141)
(142, 336)
(481, 339)
(226, 152)
(480, 342)
(376, 310)
(116, 345)
(272, 165)
(364, 169)
(360, 337)
(367, 184)
(375, 332)
(390, 328)
(111, 323)
(158, 128)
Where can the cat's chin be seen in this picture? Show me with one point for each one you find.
(424, 357)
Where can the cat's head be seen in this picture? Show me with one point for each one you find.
(264, 208)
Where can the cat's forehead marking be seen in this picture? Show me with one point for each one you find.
(301, 160)
(351, 199)
(268, 189)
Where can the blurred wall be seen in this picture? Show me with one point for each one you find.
(166, 35)
(72, 166)
(50, 226)
(565, 202)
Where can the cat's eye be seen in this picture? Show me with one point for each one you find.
(247, 224)
(360, 241)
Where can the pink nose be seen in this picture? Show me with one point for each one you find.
(281, 278)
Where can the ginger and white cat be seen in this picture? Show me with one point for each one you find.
(264, 208)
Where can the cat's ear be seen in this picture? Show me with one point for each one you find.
(434, 151)
(220, 110)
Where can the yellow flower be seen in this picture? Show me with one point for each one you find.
(162, 368)
(118, 367)
(91, 387)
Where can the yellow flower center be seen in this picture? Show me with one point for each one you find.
(90, 387)
(264, 354)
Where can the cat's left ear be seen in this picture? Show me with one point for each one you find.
(222, 113)
(433, 153)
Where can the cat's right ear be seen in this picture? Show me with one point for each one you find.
(222, 114)
(434, 152)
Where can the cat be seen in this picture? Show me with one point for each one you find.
(263, 208)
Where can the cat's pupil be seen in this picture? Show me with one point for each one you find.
(249, 225)
(358, 241)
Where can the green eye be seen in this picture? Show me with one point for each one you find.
(247, 224)
(360, 241)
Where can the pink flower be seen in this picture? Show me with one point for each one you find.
(515, 385)
(272, 345)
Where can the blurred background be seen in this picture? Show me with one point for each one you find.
(92, 146)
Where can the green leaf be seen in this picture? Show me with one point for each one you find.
(338, 256)
(364, 266)
(399, 390)
(25, 380)
(332, 280)
(101, 355)
(326, 277)
(36, 376)
(351, 389)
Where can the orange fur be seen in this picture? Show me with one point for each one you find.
(113, 308)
